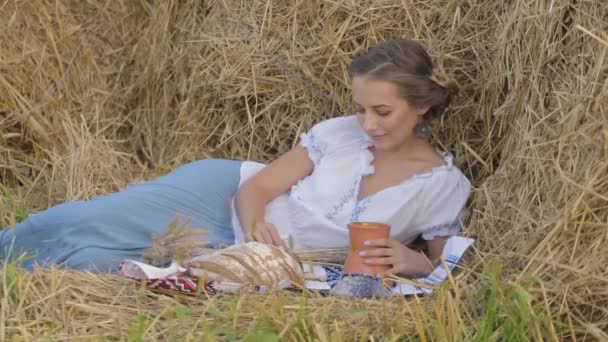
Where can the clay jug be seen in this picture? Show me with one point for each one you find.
(358, 233)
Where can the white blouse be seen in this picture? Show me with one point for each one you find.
(316, 212)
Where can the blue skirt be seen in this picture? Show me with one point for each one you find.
(97, 234)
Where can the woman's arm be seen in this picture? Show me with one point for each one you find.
(405, 261)
(273, 180)
(435, 247)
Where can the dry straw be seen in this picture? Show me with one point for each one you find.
(99, 94)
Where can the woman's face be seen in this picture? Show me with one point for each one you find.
(384, 115)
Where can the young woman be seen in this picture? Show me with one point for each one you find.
(375, 165)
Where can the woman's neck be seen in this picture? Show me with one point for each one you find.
(408, 149)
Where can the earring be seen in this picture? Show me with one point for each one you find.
(423, 129)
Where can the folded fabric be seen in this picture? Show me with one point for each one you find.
(452, 253)
(185, 279)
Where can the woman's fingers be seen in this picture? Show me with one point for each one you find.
(267, 236)
(380, 243)
(274, 234)
(252, 233)
(377, 252)
(261, 235)
(267, 233)
(391, 271)
(379, 261)
(249, 237)
(257, 236)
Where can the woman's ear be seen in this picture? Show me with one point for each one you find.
(423, 110)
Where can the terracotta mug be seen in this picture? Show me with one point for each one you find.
(358, 233)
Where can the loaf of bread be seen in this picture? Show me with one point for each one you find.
(248, 263)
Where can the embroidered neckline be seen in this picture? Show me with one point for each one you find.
(367, 168)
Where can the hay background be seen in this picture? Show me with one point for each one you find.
(99, 94)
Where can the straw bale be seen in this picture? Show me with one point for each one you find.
(100, 94)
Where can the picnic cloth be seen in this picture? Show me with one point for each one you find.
(177, 277)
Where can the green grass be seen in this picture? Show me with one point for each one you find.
(508, 312)
(139, 330)
(11, 277)
(11, 210)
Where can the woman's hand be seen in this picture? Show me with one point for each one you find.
(402, 259)
(264, 232)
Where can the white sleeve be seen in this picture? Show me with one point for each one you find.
(446, 204)
(326, 136)
(314, 145)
